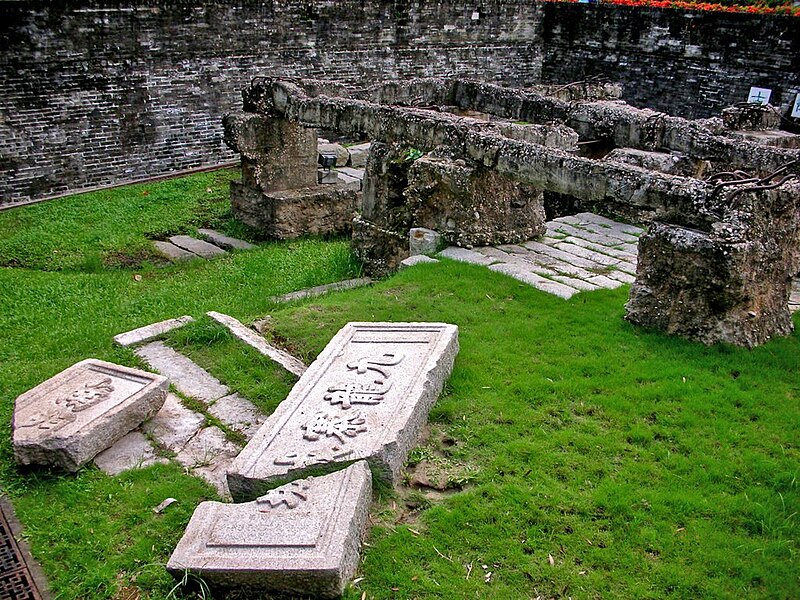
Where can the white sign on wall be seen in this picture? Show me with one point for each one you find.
(759, 95)
(796, 107)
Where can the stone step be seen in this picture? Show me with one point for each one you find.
(351, 172)
(149, 332)
(367, 396)
(195, 246)
(602, 260)
(618, 253)
(304, 535)
(284, 359)
(189, 378)
(223, 241)
(319, 290)
(173, 252)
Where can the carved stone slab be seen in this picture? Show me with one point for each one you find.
(300, 538)
(367, 396)
(71, 417)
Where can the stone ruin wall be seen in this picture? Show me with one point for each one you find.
(715, 265)
(96, 92)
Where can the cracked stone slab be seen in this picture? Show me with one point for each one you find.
(174, 425)
(195, 246)
(250, 337)
(301, 538)
(173, 252)
(239, 414)
(70, 418)
(133, 451)
(188, 377)
(224, 241)
(149, 332)
(367, 396)
(208, 455)
(467, 256)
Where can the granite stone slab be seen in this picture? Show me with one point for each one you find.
(223, 241)
(70, 418)
(195, 246)
(301, 538)
(149, 332)
(367, 396)
(284, 359)
(132, 451)
(174, 425)
(239, 414)
(188, 377)
(320, 290)
(173, 252)
(468, 256)
(208, 455)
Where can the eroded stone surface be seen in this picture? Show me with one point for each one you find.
(366, 396)
(239, 414)
(174, 425)
(67, 420)
(148, 332)
(133, 451)
(208, 455)
(188, 377)
(301, 538)
(423, 241)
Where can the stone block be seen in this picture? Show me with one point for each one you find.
(423, 241)
(70, 418)
(327, 176)
(172, 252)
(379, 248)
(671, 163)
(223, 241)
(341, 153)
(751, 117)
(133, 451)
(149, 332)
(417, 259)
(302, 538)
(358, 155)
(317, 210)
(367, 396)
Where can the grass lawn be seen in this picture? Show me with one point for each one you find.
(583, 457)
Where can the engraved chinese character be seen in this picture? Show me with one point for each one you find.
(340, 427)
(51, 419)
(364, 364)
(91, 394)
(348, 394)
(289, 495)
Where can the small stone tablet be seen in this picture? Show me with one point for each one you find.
(367, 396)
(301, 538)
(70, 418)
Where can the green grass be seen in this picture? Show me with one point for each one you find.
(597, 460)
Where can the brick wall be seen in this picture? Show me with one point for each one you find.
(96, 92)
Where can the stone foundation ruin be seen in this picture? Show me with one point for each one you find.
(482, 164)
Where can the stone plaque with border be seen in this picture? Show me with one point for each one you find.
(70, 418)
(300, 538)
(367, 396)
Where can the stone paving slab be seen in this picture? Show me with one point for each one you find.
(195, 246)
(173, 252)
(602, 260)
(525, 275)
(70, 418)
(554, 229)
(468, 256)
(301, 538)
(239, 414)
(568, 264)
(367, 396)
(594, 229)
(250, 337)
(524, 262)
(174, 425)
(149, 332)
(634, 230)
(417, 259)
(619, 253)
(133, 451)
(319, 290)
(190, 379)
(208, 455)
(224, 241)
(351, 172)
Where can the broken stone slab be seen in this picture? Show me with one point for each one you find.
(188, 377)
(284, 359)
(423, 241)
(70, 418)
(467, 256)
(172, 252)
(353, 183)
(239, 414)
(358, 155)
(319, 290)
(149, 332)
(133, 451)
(195, 246)
(417, 259)
(367, 396)
(174, 425)
(208, 455)
(223, 241)
(301, 538)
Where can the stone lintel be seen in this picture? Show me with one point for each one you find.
(70, 418)
(367, 396)
(301, 538)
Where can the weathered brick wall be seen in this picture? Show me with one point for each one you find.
(687, 63)
(94, 92)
